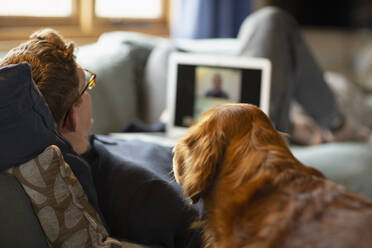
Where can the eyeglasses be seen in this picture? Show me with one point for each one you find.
(90, 85)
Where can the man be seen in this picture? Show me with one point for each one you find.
(137, 204)
(217, 90)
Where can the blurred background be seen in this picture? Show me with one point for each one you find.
(87, 19)
(339, 32)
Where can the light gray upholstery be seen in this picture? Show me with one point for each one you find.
(348, 163)
(114, 97)
(119, 60)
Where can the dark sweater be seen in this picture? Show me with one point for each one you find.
(137, 194)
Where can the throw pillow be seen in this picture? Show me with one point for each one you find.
(67, 218)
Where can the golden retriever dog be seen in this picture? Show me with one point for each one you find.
(257, 194)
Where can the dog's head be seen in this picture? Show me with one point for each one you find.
(222, 136)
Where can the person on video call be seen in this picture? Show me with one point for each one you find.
(217, 90)
(135, 203)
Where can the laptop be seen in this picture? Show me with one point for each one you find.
(199, 82)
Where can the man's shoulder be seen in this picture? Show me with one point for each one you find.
(136, 155)
(133, 175)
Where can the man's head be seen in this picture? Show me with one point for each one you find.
(60, 79)
(54, 69)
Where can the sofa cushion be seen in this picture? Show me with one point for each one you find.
(114, 100)
(124, 37)
(17, 217)
(118, 59)
(154, 89)
(349, 164)
(59, 201)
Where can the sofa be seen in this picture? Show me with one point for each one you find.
(131, 85)
(131, 80)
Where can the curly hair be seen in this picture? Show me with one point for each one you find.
(54, 69)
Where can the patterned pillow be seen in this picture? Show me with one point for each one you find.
(59, 201)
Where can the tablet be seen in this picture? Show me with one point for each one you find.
(199, 82)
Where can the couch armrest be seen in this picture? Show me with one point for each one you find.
(19, 224)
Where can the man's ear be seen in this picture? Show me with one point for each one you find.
(69, 125)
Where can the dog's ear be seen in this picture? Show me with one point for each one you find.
(202, 152)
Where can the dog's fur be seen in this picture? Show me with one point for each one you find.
(257, 194)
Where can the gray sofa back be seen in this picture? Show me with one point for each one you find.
(19, 225)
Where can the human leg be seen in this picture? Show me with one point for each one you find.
(274, 34)
(259, 36)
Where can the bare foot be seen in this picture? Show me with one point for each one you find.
(306, 132)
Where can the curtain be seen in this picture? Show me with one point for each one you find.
(201, 19)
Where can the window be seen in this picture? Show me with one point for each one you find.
(129, 8)
(82, 17)
(37, 8)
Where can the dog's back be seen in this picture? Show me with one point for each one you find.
(336, 228)
(322, 215)
(290, 208)
(329, 216)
